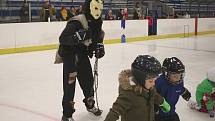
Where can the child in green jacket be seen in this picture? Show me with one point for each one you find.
(205, 95)
(137, 94)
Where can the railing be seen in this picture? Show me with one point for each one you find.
(203, 9)
(10, 11)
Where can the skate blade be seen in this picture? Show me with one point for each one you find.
(97, 113)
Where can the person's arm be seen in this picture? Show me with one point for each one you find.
(161, 102)
(165, 106)
(98, 47)
(74, 34)
(186, 94)
(121, 105)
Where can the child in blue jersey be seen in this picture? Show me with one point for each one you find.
(170, 85)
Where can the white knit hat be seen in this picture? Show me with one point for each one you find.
(211, 74)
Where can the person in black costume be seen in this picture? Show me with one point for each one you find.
(82, 38)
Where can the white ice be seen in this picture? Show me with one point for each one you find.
(31, 85)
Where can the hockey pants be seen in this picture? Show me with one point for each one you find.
(75, 66)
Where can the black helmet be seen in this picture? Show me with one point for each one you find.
(172, 65)
(145, 67)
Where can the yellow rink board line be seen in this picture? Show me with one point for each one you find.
(27, 49)
(112, 41)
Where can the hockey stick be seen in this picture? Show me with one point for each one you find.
(95, 76)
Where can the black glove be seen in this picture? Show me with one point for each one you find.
(186, 95)
(100, 50)
(82, 34)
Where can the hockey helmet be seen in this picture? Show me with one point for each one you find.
(145, 67)
(173, 66)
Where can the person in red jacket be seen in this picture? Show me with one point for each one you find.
(150, 25)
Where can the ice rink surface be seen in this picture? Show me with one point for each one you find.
(31, 85)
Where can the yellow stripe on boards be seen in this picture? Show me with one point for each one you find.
(27, 49)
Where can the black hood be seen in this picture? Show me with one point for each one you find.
(86, 9)
(94, 24)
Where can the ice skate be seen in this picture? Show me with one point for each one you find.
(67, 119)
(95, 111)
(211, 114)
(89, 103)
(192, 105)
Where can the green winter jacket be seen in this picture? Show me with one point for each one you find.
(133, 103)
(205, 86)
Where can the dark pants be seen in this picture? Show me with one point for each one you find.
(75, 64)
(167, 118)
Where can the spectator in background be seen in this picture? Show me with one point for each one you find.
(119, 14)
(80, 10)
(125, 14)
(109, 15)
(72, 12)
(48, 12)
(186, 15)
(137, 11)
(176, 15)
(24, 12)
(63, 14)
(150, 25)
(135, 15)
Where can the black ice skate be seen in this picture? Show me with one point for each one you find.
(95, 111)
(211, 113)
(89, 103)
(67, 119)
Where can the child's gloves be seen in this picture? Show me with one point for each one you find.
(186, 95)
(211, 113)
(165, 106)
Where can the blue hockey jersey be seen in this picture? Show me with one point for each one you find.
(171, 93)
